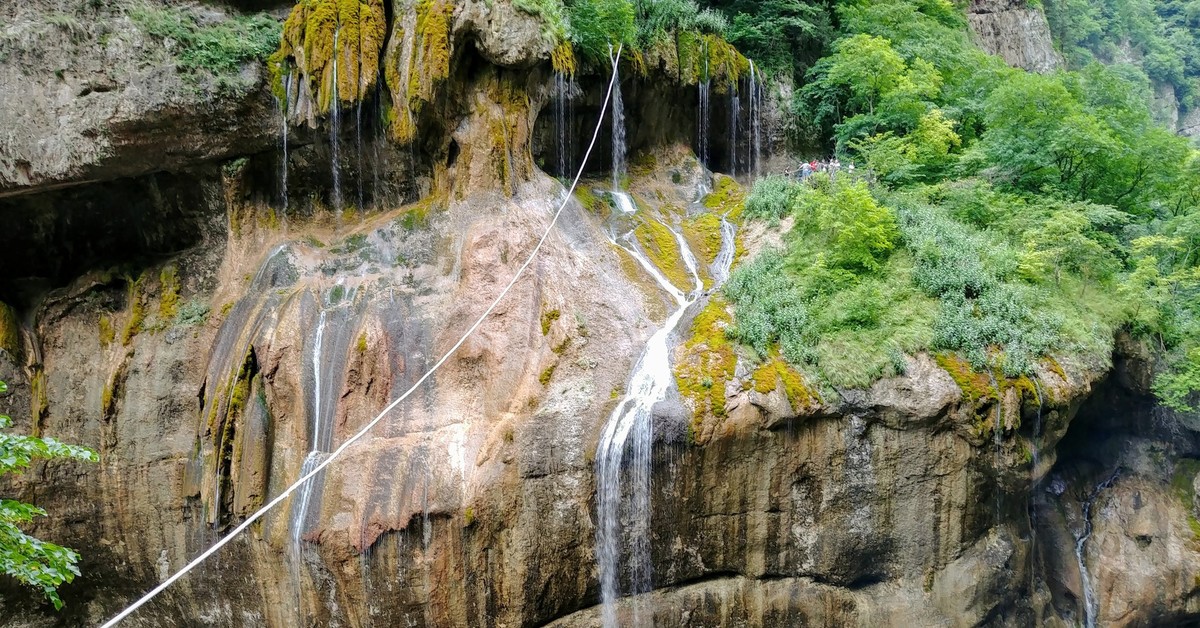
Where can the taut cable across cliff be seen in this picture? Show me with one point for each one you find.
(353, 439)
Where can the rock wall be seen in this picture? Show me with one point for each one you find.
(205, 338)
(1014, 31)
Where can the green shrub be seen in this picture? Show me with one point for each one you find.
(220, 48)
(770, 306)
(658, 19)
(857, 233)
(771, 198)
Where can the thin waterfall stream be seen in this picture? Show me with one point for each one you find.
(704, 116)
(335, 125)
(284, 107)
(564, 87)
(735, 116)
(618, 132)
(1089, 596)
(623, 456)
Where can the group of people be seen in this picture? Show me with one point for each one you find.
(832, 166)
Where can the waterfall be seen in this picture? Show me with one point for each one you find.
(755, 121)
(334, 127)
(705, 112)
(618, 131)
(1035, 459)
(1089, 597)
(283, 115)
(724, 260)
(359, 156)
(630, 427)
(376, 159)
(735, 114)
(563, 86)
(316, 366)
(336, 326)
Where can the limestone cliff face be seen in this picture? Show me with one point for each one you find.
(206, 338)
(1014, 31)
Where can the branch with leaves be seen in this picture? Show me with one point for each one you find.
(29, 560)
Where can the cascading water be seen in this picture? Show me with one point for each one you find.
(1089, 596)
(335, 329)
(630, 427)
(705, 112)
(735, 116)
(755, 121)
(618, 131)
(719, 270)
(359, 156)
(283, 115)
(563, 88)
(1035, 461)
(335, 125)
(624, 202)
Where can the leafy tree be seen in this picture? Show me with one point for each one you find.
(29, 560)
(782, 36)
(1066, 241)
(923, 154)
(859, 232)
(1176, 388)
(867, 67)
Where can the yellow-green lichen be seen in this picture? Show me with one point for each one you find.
(1054, 367)
(137, 312)
(10, 331)
(703, 234)
(430, 61)
(660, 246)
(107, 332)
(544, 378)
(975, 385)
(320, 35)
(563, 59)
(775, 371)
(727, 198)
(595, 204)
(168, 304)
(106, 400)
(39, 399)
(361, 346)
(708, 362)
(548, 319)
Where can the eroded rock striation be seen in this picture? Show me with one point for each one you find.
(1016, 32)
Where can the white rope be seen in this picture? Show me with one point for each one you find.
(353, 439)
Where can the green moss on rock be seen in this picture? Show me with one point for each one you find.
(708, 362)
(319, 34)
(548, 319)
(775, 372)
(10, 331)
(660, 246)
(727, 198)
(168, 304)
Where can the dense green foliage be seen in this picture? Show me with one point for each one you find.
(1009, 215)
(594, 25)
(39, 564)
(783, 36)
(1160, 37)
